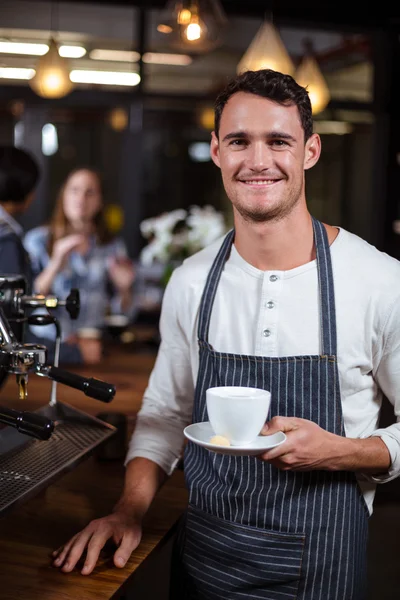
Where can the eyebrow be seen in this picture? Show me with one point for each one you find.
(270, 135)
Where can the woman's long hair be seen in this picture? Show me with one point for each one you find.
(59, 226)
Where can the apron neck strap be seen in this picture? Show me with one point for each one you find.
(325, 285)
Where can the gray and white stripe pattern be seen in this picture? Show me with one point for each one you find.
(253, 531)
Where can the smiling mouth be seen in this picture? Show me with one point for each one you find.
(259, 182)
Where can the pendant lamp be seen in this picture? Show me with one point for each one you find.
(52, 74)
(193, 25)
(266, 51)
(309, 75)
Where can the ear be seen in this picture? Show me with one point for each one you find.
(214, 149)
(312, 151)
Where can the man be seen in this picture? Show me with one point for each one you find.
(19, 174)
(286, 303)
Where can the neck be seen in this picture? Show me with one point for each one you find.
(84, 227)
(278, 245)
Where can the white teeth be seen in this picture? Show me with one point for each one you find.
(263, 182)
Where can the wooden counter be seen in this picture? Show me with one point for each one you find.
(32, 531)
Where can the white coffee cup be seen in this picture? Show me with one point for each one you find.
(237, 413)
(89, 333)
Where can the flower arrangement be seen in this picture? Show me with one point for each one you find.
(180, 233)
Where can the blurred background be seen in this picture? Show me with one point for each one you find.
(127, 88)
(138, 104)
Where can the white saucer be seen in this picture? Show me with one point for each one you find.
(201, 433)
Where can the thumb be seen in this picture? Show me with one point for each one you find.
(276, 424)
(127, 546)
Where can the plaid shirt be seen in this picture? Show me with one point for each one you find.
(87, 273)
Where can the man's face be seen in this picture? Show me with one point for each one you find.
(262, 156)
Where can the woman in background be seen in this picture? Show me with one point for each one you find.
(76, 250)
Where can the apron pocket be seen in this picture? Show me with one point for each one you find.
(223, 559)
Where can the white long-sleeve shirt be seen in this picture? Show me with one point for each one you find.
(256, 314)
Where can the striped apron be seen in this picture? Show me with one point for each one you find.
(252, 530)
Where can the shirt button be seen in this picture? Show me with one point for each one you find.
(270, 304)
(266, 333)
(273, 277)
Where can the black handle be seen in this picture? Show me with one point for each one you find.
(28, 423)
(95, 388)
(73, 303)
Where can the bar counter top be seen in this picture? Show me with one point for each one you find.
(31, 531)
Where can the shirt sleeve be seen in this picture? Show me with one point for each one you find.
(35, 244)
(168, 400)
(388, 378)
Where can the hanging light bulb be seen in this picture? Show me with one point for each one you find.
(184, 16)
(195, 29)
(266, 51)
(51, 79)
(193, 24)
(309, 76)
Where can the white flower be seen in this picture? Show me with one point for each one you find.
(162, 224)
(200, 227)
(157, 250)
(205, 225)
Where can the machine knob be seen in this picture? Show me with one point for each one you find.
(73, 303)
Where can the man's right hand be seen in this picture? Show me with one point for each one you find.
(125, 531)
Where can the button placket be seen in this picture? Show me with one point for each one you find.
(268, 331)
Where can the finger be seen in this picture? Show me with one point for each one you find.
(276, 424)
(275, 454)
(61, 552)
(129, 543)
(75, 552)
(96, 544)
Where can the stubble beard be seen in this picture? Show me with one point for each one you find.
(264, 214)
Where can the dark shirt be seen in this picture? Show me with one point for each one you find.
(14, 260)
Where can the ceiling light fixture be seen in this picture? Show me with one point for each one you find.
(332, 127)
(16, 73)
(194, 24)
(71, 51)
(160, 58)
(114, 55)
(164, 28)
(35, 49)
(23, 48)
(156, 58)
(51, 79)
(309, 75)
(52, 74)
(105, 77)
(266, 51)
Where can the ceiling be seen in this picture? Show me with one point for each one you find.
(343, 50)
(324, 13)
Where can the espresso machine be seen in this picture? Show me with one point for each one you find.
(37, 447)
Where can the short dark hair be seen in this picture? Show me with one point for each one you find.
(275, 86)
(19, 173)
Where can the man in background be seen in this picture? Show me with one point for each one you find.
(19, 174)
